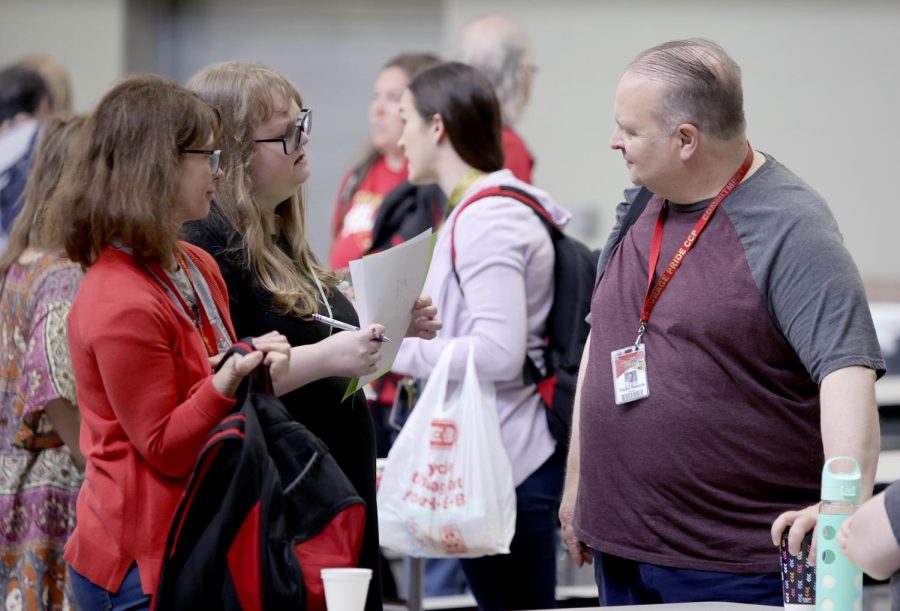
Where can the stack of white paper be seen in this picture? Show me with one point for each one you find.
(386, 286)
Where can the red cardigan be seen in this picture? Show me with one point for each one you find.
(146, 397)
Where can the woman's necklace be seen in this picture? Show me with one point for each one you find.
(462, 185)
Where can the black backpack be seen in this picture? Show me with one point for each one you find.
(566, 331)
(405, 212)
(266, 508)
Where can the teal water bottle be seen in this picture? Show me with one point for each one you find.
(838, 582)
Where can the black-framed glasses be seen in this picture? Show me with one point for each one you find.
(290, 142)
(214, 156)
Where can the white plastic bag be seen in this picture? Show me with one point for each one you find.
(447, 488)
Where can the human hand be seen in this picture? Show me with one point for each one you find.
(214, 361)
(424, 323)
(272, 349)
(277, 352)
(801, 522)
(227, 379)
(581, 554)
(353, 354)
(843, 538)
(345, 286)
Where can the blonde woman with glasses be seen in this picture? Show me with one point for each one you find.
(256, 233)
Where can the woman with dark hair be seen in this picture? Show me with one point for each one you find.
(382, 170)
(40, 463)
(150, 318)
(495, 296)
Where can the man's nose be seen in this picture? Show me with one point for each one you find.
(615, 139)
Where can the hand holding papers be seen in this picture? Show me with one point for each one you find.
(338, 324)
(386, 286)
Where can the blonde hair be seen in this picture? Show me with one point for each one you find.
(245, 96)
(121, 188)
(31, 230)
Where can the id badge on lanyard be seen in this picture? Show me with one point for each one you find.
(630, 374)
(629, 364)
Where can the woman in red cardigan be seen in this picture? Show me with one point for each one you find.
(149, 319)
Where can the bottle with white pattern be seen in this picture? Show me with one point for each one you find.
(838, 581)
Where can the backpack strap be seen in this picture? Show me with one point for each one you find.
(531, 371)
(501, 191)
(631, 216)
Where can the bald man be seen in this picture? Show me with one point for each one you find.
(500, 48)
(709, 398)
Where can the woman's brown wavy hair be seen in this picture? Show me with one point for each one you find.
(245, 96)
(121, 189)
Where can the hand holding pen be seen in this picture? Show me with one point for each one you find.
(338, 324)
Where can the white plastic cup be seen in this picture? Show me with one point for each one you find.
(346, 589)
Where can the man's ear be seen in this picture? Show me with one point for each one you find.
(688, 140)
(437, 129)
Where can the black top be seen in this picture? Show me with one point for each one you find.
(345, 427)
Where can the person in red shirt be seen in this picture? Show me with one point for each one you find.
(500, 48)
(381, 178)
(382, 169)
(149, 319)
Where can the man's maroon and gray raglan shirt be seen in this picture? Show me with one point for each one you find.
(766, 304)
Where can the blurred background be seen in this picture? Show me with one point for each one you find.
(821, 83)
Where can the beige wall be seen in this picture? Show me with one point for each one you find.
(821, 89)
(86, 36)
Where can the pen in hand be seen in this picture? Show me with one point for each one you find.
(337, 324)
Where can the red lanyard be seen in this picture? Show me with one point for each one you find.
(655, 292)
(201, 320)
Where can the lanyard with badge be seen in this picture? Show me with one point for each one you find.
(629, 364)
(205, 318)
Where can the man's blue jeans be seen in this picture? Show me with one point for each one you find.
(628, 582)
(526, 577)
(92, 597)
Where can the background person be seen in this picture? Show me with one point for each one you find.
(499, 305)
(382, 169)
(55, 76)
(378, 208)
(40, 461)
(499, 47)
(870, 538)
(760, 353)
(24, 103)
(140, 335)
(256, 233)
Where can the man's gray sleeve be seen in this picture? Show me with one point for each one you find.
(892, 506)
(810, 284)
(816, 297)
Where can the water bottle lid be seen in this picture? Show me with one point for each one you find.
(841, 480)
